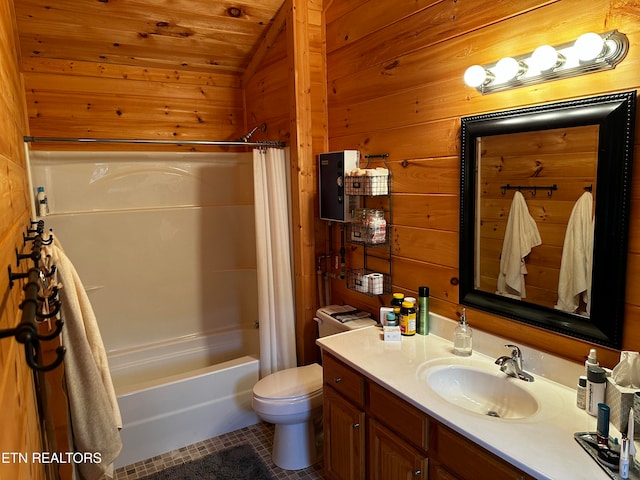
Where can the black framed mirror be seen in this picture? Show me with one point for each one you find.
(549, 168)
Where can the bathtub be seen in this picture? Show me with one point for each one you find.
(176, 393)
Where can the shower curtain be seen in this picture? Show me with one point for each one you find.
(273, 256)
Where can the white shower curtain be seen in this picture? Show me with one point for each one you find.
(276, 312)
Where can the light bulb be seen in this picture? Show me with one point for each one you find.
(588, 46)
(475, 76)
(506, 69)
(544, 58)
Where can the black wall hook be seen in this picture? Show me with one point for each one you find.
(54, 334)
(27, 330)
(32, 356)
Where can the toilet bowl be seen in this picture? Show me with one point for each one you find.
(291, 399)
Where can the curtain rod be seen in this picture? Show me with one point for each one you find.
(221, 143)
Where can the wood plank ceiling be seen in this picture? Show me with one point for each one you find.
(197, 35)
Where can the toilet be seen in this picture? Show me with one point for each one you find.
(291, 399)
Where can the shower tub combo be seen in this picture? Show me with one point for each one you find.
(165, 246)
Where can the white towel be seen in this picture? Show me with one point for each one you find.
(520, 236)
(93, 407)
(577, 257)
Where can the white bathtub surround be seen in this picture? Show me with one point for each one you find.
(164, 242)
(541, 444)
(276, 311)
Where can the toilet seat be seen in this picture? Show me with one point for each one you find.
(289, 392)
(291, 384)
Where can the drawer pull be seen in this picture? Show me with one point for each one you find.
(417, 473)
(356, 425)
(337, 380)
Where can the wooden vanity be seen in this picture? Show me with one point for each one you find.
(386, 416)
(370, 433)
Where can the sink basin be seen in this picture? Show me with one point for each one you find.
(480, 391)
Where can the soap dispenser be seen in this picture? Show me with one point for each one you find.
(463, 337)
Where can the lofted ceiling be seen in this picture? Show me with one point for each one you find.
(210, 36)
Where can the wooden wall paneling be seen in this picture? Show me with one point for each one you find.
(407, 143)
(432, 60)
(436, 23)
(20, 431)
(440, 68)
(78, 106)
(180, 34)
(406, 98)
(129, 72)
(303, 177)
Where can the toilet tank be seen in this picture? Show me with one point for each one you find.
(341, 318)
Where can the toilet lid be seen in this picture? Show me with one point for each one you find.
(290, 383)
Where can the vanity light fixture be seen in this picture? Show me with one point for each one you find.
(591, 52)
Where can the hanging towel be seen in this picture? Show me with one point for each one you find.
(520, 236)
(577, 257)
(93, 408)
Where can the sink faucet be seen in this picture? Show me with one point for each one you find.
(512, 365)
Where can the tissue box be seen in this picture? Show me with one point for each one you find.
(620, 401)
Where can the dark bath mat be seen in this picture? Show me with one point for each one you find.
(237, 463)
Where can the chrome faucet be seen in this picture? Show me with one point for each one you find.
(512, 365)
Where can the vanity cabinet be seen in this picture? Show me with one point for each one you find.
(370, 433)
(344, 421)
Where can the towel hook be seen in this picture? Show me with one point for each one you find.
(55, 333)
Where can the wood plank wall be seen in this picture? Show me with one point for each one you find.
(20, 432)
(395, 86)
(83, 99)
(286, 86)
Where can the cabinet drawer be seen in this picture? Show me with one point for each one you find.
(478, 464)
(343, 379)
(406, 420)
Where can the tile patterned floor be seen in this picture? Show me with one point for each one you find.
(259, 436)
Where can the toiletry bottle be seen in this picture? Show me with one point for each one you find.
(407, 319)
(392, 321)
(396, 303)
(596, 384)
(604, 415)
(462, 337)
(581, 396)
(592, 360)
(422, 326)
(43, 204)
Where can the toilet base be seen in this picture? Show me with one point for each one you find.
(297, 446)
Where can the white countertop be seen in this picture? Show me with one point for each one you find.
(542, 444)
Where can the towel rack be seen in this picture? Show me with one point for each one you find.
(532, 188)
(26, 332)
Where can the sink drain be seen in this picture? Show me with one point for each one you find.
(491, 413)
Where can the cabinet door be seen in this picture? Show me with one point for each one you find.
(391, 458)
(344, 431)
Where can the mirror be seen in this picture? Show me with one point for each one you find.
(545, 194)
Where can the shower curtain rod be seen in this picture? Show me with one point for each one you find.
(221, 143)
(241, 142)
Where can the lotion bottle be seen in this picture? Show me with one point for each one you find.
(592, 360)
(43, 204)
(463, 337)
